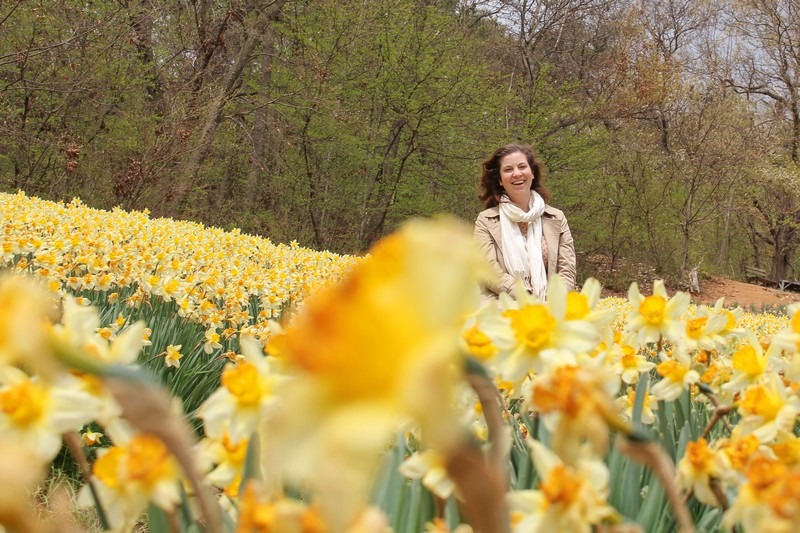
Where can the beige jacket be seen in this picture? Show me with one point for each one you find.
(558, 239)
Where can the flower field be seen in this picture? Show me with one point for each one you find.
(203, 379)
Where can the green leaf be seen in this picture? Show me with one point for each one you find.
(157, 519)
(638, 401)
(252, 461)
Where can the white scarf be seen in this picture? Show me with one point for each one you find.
(523, 259)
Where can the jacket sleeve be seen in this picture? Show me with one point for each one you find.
(566, 255)
(502, 281)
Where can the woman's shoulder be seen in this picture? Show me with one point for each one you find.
(489, 213)
(553, 212)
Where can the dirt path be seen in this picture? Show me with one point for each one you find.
(739, 293)
(744, 294)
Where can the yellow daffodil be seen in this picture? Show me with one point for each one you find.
(91, 438)
(225, 460)
(379, 346)
(536, 336)
(696, 470)
(576, 404)
(749, 364)
(261, 512)
(767, 409)
(625, 405)
(568, 498)
(247, 394)
(583, 305)
(676, 376)
(630, 363)
(80, 328)
(704, 330)
(736, 452)
(24, 311)
(212, 341)
(656, 316)
(35, 413)
(767, 501)
(172, 356)
(129, 476)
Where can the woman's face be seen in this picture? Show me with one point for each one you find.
(516, 177)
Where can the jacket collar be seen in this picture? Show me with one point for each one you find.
(494, 212)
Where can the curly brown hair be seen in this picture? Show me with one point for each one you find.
(490, 189)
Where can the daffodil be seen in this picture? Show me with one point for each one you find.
(704, 330)
(80, 328)
(378, 347)
(787, 449)
(226, 462)
(172, 356)
(91, 438)
(626, 401)
(676, 376)
(130, 475)
(24, 311)
(576, 404)
(749, 364)
(767, 501)
(36, 413)
(430, 467)
(583, 305)
(732, 328)
(698, 468)
(261, 512)
(656, 316)
(537, 335)
(788, 339)
(630, 363)
(247, 395)
(212, 341)
(736, 452)
(767, 409)
(568, 498)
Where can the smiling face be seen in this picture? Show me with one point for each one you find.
(516, 177)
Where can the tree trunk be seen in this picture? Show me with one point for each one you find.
(259, 161)
(204, 138)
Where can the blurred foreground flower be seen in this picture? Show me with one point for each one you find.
(21, 470)
(577, 405)
(129, 476)
(373, 350)
(569, 498)
(35, 413)
(24, 309)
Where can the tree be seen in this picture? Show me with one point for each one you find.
(766, 68)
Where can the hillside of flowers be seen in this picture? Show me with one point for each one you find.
(208, 380)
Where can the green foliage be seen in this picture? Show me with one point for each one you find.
(352, 116)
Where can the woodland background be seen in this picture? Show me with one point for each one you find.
(670, 129)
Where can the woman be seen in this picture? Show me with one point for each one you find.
(523, 237)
